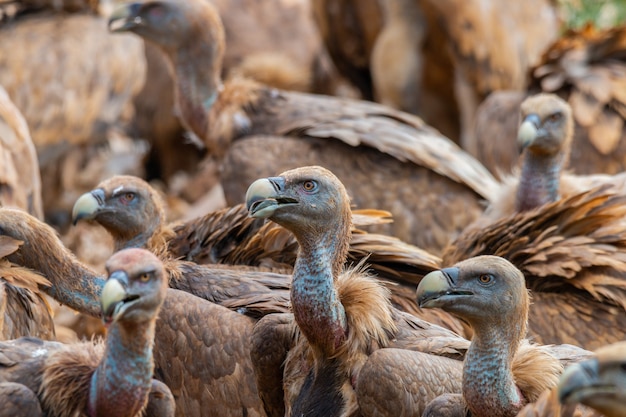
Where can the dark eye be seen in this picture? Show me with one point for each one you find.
(485, 278)
(555, 117)
(144, 277)
(309, 185)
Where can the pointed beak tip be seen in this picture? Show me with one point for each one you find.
(433, 283)
(112, 293)
(84, 208)
(259, 190)
(123, 18)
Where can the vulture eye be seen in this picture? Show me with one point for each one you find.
(309, 185)
(555, 117)
(485, 278)
(145, 277)
(128, 197)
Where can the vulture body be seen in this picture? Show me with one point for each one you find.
(240, 118)
(565, 232)
(73, 84)
(326, 358)
(599, 382)
(201, 349)
(502, 372)
(132, 211)
(292, 58)
(586, 68)
(20, 182)
(107, 378)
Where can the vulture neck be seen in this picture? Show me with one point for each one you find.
(198, 84)
(147, 239)
(121, 383)
(539, 180)
(489, 388)
(316, 305)
(72, 283)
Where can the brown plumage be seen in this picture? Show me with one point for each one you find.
(349, 30)
(493, 44)
(502, 371)
(241, 119)
(586, 68)
(24, 310)
(548, 405)
(132, 211)
(73, 83)
(572, 255)
(201, 350)
(20, 182)
(568, 242)
(291, 58)
(100, 379)
(599, 382)
(341, 317)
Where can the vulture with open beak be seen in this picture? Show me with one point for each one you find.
(502, 371)
(345, 351)
(132, 211)
(201, 349)
(383, 156)
(107, 378)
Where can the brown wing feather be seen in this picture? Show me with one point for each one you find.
(571, 253)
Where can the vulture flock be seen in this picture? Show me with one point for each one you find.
(321, 208)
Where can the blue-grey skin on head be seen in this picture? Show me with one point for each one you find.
(130, 299)
(599, 382)
(490, 293)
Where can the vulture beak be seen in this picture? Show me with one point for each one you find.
(580, 381)
(114, 299)
(88, 205)
(125, 18)
(528, 131)
(437, 286)
(264, 197)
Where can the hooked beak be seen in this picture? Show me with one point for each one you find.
(114, 299)
(437, 286)
(579, 381)
(125, 18)
(88, 205)
(264, 197)
(528, 131)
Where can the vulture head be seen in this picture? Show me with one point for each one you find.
(135, 288)
(599, 382)
(546, 125)
(484, 290)
(190, 26)
(307, 201)
(126, 206)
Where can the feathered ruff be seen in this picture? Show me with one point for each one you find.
(535, 370)
(228, 118)
(370, 327)
(548, 405)
(578, 241)
(275, 69)
(67, 376)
